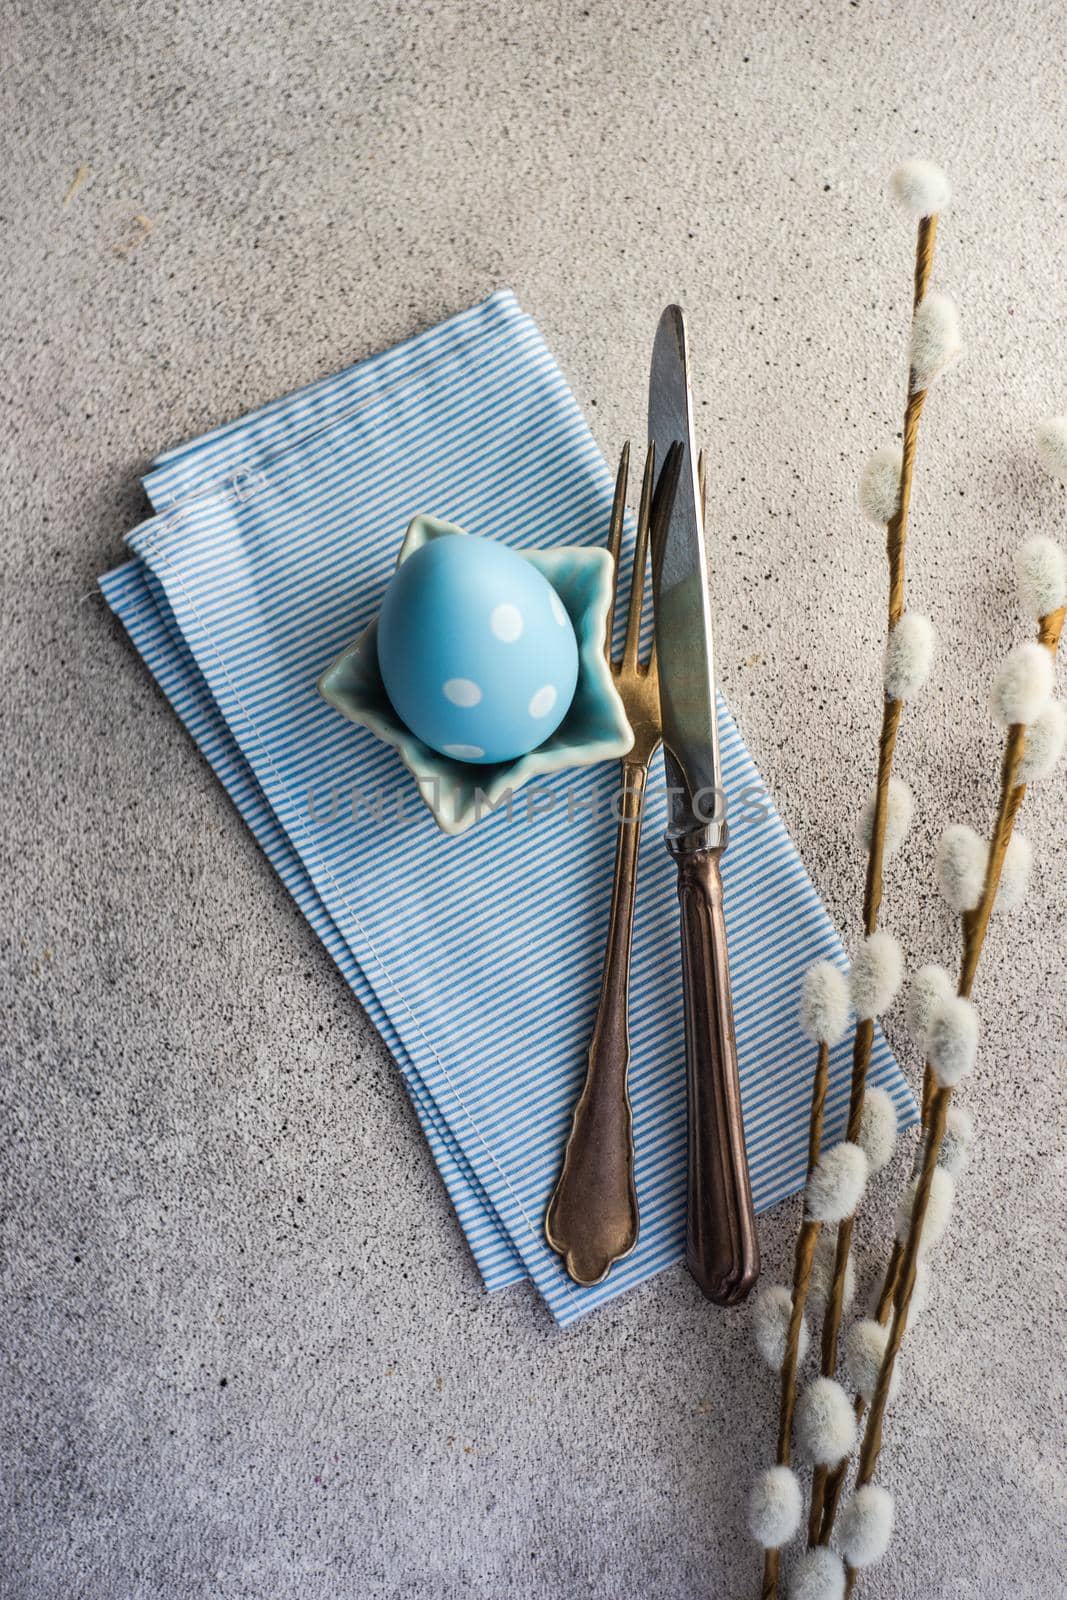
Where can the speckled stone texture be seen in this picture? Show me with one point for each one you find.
(244, 1349)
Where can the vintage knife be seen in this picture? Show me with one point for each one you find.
(721, 1247)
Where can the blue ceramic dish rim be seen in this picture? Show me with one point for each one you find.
(459, 793)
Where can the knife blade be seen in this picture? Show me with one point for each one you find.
(682, 609)
(722, 1252)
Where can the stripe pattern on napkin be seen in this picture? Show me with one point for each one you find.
(477, 958)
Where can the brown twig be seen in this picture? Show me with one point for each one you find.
(805, 1253)
(835, 1302)
(1050, 630)
(836, 1480)
(887, 741)
(924, 257)
(975, 926)
(896, 547)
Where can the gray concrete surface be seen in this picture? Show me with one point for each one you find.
(244, 1350)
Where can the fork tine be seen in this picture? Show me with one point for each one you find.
(618, 513)
(637, 579)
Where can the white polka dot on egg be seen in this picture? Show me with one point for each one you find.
(559, 610)
(506, 622)
(464, 752)
(543, 701)
(461, 692)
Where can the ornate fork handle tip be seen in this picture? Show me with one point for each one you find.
(593, 1219)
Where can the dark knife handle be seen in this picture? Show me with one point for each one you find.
(722, 1251)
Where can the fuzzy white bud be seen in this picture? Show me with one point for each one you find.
(909, 655)
(822, 1274)
(866, 1526)
(1052, 446)
(961, 863)
(920, 1292)
(938, 1210)
(1022, 687)
(878, 1129)
(865, 1345)
(921, 187)
(1014, 874)
(836, 1185)
(876, 974)
(774, 1506)
(935, 339)
(1046, 737)
(879, 485)
(956, 1142)
(953, 1042)
(1041, 574)
(899, 807)
(930, 988)
(825, 1422)
(770, 1325)
(818, 1575)
(824, 1003)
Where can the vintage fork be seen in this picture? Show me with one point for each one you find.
(592, 1218)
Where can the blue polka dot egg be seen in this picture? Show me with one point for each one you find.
(476, 650)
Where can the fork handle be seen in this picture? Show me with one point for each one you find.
(592, 1218)
(722, 1251)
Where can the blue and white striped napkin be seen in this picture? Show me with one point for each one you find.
(477, 958)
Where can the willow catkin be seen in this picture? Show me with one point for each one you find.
(901, 804)
(818, 1575)
(909, 655)
(878, 490)
(866, 1526)
(878, 1129)
(774, 1506)
(824, 1018)
(1046, 737)
(914, 191)
(921, 187)
(961, 862)
(1041, 575)
(865, 1345)
(875, 977)
(934, 1185)
(935, 340)
(1052, 448)
(1014, 874)
(955, 1150)
(938, 1196)
(825, 1421)
(930, 988)
(771, 1316)
(824, 1003)
(836, 1185)
(953, 1040)
(1022, 687)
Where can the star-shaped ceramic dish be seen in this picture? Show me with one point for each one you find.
(594, 729)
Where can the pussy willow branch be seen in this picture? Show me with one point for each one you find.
(975, 925)
(896, 545)
(805, 1252)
